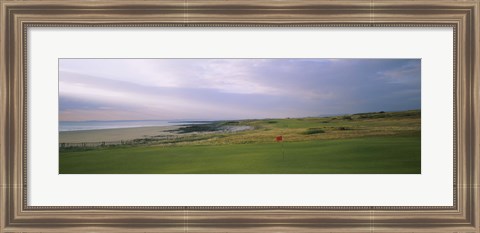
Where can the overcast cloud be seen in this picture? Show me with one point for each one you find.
(214, 89)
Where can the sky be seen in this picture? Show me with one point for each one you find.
(223, 89)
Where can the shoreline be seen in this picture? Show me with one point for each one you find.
(338, 125)
(138, 133)
(116, 134)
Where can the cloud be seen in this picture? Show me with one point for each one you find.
(230, 76)
(406, 73)
(105, 89)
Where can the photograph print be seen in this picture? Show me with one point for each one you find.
(239, 116)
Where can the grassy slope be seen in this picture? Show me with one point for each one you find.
(373, 143)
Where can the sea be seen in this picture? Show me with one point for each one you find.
(91, 125)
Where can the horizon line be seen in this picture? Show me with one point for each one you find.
(211, 120)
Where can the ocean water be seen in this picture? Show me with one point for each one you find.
(89, 125)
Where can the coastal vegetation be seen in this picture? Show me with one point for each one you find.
(362, 143)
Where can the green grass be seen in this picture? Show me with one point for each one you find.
(364, 143)
(376, 155)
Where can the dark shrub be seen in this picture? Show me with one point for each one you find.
(314, 131)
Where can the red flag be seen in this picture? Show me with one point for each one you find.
(279, 138)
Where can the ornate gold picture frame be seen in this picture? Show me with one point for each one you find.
(17, 16)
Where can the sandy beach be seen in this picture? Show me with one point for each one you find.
(108, 135)
(125, 134)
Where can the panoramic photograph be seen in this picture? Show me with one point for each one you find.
(240, 116)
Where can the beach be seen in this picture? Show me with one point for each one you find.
(149, 132)
(109, 135)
